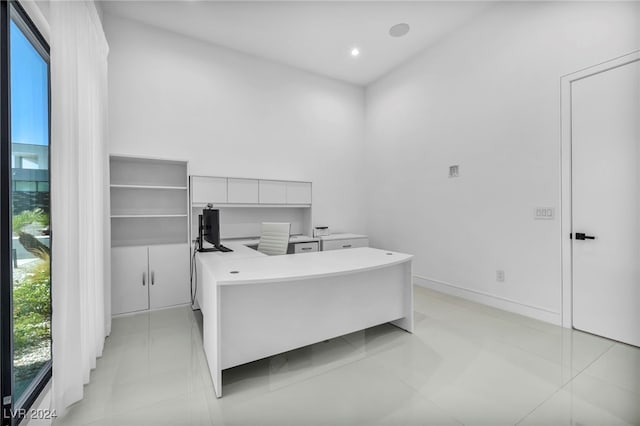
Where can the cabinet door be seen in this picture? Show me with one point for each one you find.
(129, 279)
(273, 192)
(208, 190)
(242, 191)
(298, 192)
(168, 275)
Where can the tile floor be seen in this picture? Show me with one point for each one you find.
(465, 364)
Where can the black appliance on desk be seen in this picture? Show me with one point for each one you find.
(209, 231)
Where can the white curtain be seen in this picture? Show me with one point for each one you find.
(80, 290)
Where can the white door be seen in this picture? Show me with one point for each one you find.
(168, 275)
(605, 144)
(129, 279)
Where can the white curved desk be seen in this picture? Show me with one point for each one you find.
(255, 306)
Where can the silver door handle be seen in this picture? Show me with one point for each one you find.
(346, 246)
(144, 278)
(153, 278)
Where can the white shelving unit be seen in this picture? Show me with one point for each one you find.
(149, 233)
(149, 201)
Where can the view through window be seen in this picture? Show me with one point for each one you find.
(31, 241)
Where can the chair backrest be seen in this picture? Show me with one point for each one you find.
(274, 239)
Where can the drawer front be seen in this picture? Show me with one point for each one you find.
(305, 247)
(345, 244)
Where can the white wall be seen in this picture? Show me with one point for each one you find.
(486, 98)
(230, 114)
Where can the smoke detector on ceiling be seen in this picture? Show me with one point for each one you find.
(399, 30)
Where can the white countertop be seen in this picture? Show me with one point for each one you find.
(255, 267)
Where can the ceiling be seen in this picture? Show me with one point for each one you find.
(316, 36)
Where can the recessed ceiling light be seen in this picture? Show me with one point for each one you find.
(399, 30)
(355, 51)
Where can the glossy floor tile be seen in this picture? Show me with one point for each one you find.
(465, 364)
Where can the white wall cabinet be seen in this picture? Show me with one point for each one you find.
(206, 190)
(243, 191)
(298, 192)
(149, 277)
(273, 192)
(222, 190)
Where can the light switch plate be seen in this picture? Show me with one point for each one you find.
(454, 171)
(544, 213)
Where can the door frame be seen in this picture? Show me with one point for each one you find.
(565, 172)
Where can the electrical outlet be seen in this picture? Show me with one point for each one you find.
(545, 213)
(500, 275)
(454, 171)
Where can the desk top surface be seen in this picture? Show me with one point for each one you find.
(247, 266)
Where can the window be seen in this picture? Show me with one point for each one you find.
(25, 254)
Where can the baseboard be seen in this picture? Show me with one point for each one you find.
(490, 300)
(129, 314)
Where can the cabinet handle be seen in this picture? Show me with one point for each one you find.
(153, 278)
(144, 278)
(306, 248)
(346, 246)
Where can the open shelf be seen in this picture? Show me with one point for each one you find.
(241, 222)
(144, 230)
(147, 172)
(149, 201)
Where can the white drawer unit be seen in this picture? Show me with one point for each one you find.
(305, 247)
(343, 241)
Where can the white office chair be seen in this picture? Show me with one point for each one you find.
(274, 239)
